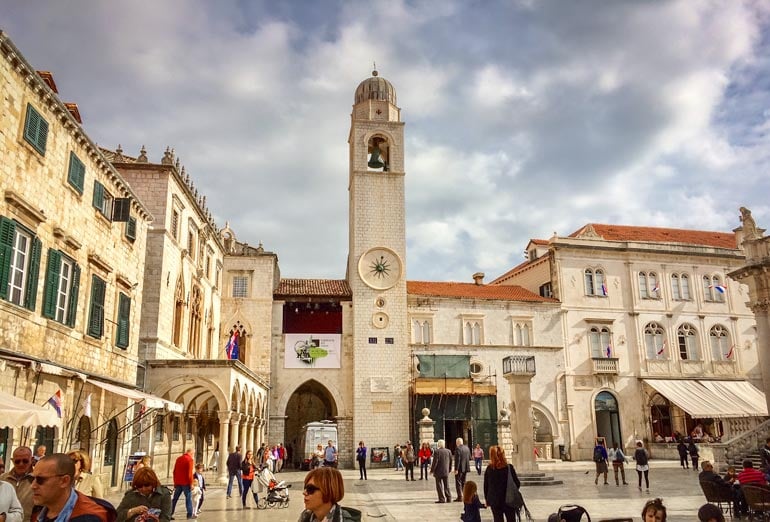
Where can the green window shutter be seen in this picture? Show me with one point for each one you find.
(7, 231)
(96, 316)
(74, 290)
(124, 316)
(77, 173)
(35, 129)
(98, 200)
(30, 294)
(53, 266)
(131, 229)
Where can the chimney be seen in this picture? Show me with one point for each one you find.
(478, 278)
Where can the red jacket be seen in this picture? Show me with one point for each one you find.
(183, 470)
(751, 476)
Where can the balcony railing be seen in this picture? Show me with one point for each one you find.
(519, 365)
(605, 365)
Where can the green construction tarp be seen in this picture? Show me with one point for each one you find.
(445, 366)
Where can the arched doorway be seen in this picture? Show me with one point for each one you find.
(84, 434)
(111, 450)
(607, 417)
(311, 402)
(660, 416)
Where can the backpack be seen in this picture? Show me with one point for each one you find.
(598, 457)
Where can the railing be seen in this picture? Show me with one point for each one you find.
(606, 365)
(519, 365)
(745, 443)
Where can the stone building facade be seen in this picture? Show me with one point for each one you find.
(645, 311)
(72, 255)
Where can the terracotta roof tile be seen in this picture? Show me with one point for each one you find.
(313, 287)
(474, 291)
(661, 235)
(518, 267)
(540, 241)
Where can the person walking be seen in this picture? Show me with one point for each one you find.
(478, 457)
(361, 459)
(496, 484)
(642, 459)
(682, 449)
(183, 479)
(202, 484)
(440, 467)
(248, 467)
(281, 457)
(692, 449)
(462, 467)
(234, 462)
(424, 455)
(330, 455)
(600, 459)
(409, 458)
(618, 463)
(399, 463)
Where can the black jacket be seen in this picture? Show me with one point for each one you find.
(495, 484)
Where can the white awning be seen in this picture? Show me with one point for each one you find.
(16, 413)
(152, 401)
(741, 393)
(697, 400)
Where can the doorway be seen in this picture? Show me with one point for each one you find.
(311, 402)
(607, 417)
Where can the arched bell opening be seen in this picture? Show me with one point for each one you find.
(378, 154)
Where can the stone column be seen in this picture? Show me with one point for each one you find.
(249, 422)
(521, 421)
(426, 428)
(234, 432)
(242, 435)
(224, 448)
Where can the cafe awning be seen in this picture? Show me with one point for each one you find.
(718, 399)
(742, 393)
(17, 413)
(152, 401)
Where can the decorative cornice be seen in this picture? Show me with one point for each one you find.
(21, 205)
(96, 260)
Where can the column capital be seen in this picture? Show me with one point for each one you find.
(224, 416)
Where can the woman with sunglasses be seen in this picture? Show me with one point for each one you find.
(85, 482)
(147, 498)
(324, 488)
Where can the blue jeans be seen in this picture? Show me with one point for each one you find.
(178, 490)
(477, 460)
(237, 476)
(246, 488)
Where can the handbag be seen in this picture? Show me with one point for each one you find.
(513, 496)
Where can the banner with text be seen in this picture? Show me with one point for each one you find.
(312, 350)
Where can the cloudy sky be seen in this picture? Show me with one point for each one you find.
(523, 117)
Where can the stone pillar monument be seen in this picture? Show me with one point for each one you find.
(426, 429)
(518, 371)
(756, 274)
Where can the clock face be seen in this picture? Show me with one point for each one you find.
(380, 268)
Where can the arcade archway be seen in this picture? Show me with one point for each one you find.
(311, 402)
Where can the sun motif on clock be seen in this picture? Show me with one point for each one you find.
(380, 268)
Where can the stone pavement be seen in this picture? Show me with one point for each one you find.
(388, 497)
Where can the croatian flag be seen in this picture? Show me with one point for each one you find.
(656, 288)
(232, 345)
(662, 348)
(719, 288)
(609, 351)
(55, 401)
(604, 288)
(729, 355)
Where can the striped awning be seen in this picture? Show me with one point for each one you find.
(712, 399)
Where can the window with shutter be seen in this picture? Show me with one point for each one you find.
(96, 314)
(124, 315)
(62, 277)
(35, 130)
(131, 229)
(7, 233)
(76, 174)
(19, 263)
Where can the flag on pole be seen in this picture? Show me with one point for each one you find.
(141, 411)
(609, 351)
(656, 288)
(604, 288)
(662, 348)
(729, 355)
(87, 406)
(232, 345)
(55, 401)
(719, 288)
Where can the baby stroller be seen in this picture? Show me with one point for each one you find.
(276, 493)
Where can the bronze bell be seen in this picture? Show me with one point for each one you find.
(374, 160)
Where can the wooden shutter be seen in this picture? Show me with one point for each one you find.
(7, 232)
(121, 209)
(131, 229)
(96, 316)
(52, 270)
(98, 199)
(35, 129)
(74, 290)
(77, 173)
(124, 316)
(30, 292)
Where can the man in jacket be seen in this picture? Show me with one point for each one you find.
(184, 467)
(20, 477)
(440, 468)
(56, 499)
(234, 461)
(708, 475)
(462, 467)
(9, 505)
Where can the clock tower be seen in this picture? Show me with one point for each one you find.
(377, 266)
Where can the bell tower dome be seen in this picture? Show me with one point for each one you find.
(377, 265)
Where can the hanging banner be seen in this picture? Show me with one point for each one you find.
(312, 350)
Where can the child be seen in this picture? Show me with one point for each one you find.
(472, 503)
(198, 475)
(654, 511)
(196, 493)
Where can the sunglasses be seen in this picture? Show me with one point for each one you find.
(40, 479)
(310, 489)
(21, 461)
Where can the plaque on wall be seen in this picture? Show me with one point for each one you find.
(381, 406)
(381, 384)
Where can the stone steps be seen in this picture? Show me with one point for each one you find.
(538, 479)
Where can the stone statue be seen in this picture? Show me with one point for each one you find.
(749, 226)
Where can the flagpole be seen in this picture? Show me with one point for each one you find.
(72, 416)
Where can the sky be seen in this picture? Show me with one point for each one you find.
(523, 117)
